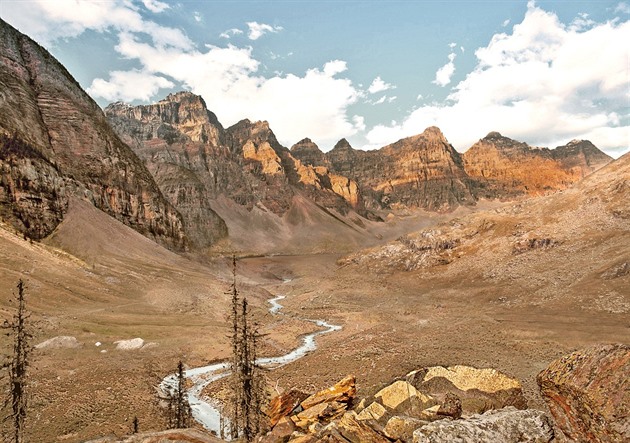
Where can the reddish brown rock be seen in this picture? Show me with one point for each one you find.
(284, 404)
(319, 414)
(356, 431)
(505, 168)
(588, 393)
(343, 392)
(281, 433)
(451, 407)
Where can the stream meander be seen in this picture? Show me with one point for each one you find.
(207, 410)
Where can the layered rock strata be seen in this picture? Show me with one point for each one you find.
(55, 142)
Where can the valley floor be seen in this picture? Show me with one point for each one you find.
(393, 321)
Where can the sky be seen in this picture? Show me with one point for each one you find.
(373, 72)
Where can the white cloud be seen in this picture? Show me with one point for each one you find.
(623, 8)
(257, 30)
(155, 5)
(380, 100)
(128, 86)
(378, 85)
(335, 67)
(197, 16)
(545, 83)
(313, 105)
(230, 32)
(505, 22)
(70, 18)
(444, 74)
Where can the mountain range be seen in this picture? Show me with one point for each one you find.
(171, 171)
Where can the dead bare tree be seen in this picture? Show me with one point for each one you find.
(178, 406)
(248, 386)
(17, 366)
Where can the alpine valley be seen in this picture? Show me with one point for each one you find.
(483, 296)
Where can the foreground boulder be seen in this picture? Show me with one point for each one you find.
(507, 425)
(343, 392)
(479, 390)
(425, 406)
(588, 393)
(284, 404)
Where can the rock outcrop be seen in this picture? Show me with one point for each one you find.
(425, 406)
(588, 393)
(55, 143)
(423, 171)
(479, 390)
(506, 168)
(507, 425)
(196, 161)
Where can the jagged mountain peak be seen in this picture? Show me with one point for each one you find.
(433, 131)
(493, 135)
(304, 141)
(343, 144)
(309, 153)
(181, 96)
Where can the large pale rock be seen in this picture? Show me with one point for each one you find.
(61, 341)
(283, 404)
(129, 345)
(402, 427)
(478, 389)
(375, 411)
(588, 393)
(401, 396)
(508, 425)
(356, 431)
(344, 391)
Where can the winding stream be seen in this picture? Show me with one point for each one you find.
(206, 410)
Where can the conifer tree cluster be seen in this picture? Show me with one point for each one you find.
(248, 381)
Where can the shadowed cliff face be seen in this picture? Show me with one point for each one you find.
(56, 143)
(506, 168)
(194, 161)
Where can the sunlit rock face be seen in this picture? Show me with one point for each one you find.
(505, 168)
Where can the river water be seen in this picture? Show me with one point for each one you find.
(206, 410)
